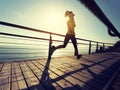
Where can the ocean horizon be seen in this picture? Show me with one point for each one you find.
(14, 53)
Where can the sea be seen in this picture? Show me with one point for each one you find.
(15, 48)
(28, 53)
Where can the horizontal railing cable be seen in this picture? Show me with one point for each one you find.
(20, 38)
(27, 28)
(21, 48)
(20, 43)
(23, 36)
(22, 53)
(92, 41)
(16, 35)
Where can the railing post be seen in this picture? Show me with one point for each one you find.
(50, 43)
(89, 52)
(96, 47)
(45, 75)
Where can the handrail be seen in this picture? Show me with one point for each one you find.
(37, 30)
(27, 28)
(92, 41)
(9, 34)
(94, 8)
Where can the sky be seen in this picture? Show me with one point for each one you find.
(48, 15)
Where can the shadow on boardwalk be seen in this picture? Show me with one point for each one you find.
(97, 82)
(91, 72)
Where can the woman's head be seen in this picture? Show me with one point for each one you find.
(69, 13)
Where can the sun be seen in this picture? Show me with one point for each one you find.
(55, 21)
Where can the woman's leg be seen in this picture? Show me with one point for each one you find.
(66, 40)
(75, 47)
(73, 39)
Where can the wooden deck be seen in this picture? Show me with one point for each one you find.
(91, 72)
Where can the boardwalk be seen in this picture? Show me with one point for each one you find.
(91, 72)
(99, 71)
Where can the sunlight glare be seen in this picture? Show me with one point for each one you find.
(55, 21)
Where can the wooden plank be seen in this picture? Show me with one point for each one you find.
(46, 81)
(93, 77)
(14, 82)
(64, 82)
(77, 75)
(5, 75)
(37, 73)
(31, 81)
(96, 70)
(19, 77)
(39, 66)
(67, 67)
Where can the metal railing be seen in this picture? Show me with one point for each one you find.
(90, 45)
(95, 9)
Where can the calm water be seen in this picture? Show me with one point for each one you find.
(24, 53)
(24, 49)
